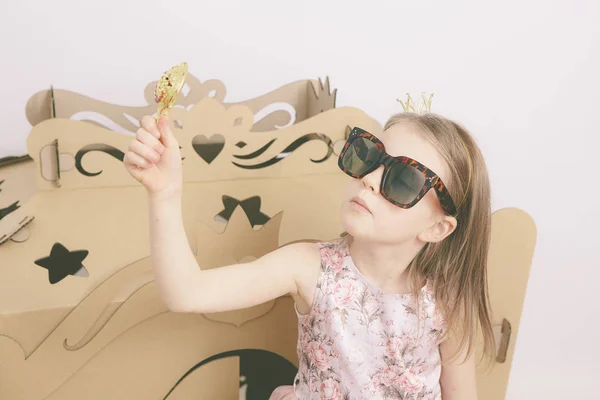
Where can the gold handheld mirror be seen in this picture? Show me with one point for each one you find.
(168, 88)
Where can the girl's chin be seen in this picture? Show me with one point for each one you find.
(354, 223)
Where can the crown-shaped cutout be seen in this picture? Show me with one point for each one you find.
(422, 107)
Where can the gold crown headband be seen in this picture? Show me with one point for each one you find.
(168, 88)
(424, 107)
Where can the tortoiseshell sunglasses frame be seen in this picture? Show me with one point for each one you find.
(432, 180)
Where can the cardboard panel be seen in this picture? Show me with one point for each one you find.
(284, 106)
(216, 145)
(280, 108)
(17, 185)
(511, 253)
(121, 332)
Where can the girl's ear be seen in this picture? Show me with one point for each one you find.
(439, 230)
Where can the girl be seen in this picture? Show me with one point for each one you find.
(388, 311)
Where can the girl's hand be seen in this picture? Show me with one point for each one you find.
(153, 158)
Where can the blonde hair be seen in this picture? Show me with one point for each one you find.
(456, 267)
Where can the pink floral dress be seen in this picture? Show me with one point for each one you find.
(358, 342)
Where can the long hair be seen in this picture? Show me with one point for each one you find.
(456, 267)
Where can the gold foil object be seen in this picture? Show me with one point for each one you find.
(168, 88)
(423, 107)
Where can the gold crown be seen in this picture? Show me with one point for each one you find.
(168, 88)
(423, 106)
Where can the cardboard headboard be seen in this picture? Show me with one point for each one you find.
(285, 106)
(79, 311)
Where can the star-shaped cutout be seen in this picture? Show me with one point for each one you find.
(251, 207)
(62, 262)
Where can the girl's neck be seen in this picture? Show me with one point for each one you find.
(384, 265)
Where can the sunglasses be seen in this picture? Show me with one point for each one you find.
(404, 181)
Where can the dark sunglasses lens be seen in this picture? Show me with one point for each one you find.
(403, 183)
(361, 156)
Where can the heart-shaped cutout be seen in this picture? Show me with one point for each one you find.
(208, 148)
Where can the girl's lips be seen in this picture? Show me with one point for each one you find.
(360, 204)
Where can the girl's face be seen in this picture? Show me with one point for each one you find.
(366, 214)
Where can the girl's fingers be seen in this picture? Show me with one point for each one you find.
(144, 151)
(149, 124)
(150, 141)
(134, 159)
(166, 135)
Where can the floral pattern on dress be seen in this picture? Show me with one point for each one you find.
(358, 342)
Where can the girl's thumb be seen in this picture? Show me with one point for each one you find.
(166, 135)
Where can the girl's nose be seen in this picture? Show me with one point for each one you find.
(373, 180)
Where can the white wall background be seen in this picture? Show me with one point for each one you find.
(522, 75)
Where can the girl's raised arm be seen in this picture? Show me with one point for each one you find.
(186, 288)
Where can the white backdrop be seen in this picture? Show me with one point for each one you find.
(521, 75)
